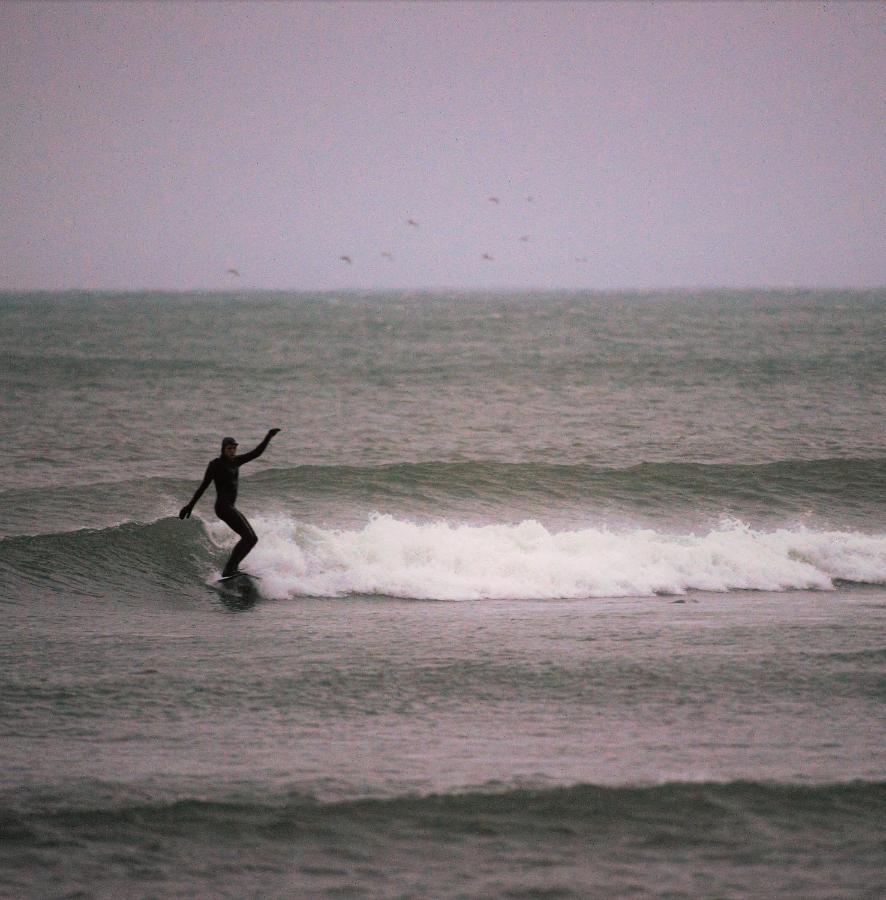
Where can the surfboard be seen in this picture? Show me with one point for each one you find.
(227, 579)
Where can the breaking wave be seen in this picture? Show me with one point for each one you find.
(444, 561)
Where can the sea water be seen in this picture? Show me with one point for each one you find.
(562, 595)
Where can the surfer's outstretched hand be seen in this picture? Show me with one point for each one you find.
(272, 432)
(185, 512)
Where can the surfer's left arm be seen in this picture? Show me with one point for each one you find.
(255, 454)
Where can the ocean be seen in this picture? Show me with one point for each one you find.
(563, 594)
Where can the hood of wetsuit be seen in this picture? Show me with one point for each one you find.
(226, 442)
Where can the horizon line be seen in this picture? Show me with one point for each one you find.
(774, 288)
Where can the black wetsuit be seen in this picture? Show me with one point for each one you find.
(225, 475)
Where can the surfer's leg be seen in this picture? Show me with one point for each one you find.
(233, 518)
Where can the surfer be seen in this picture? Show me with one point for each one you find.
(224, 470)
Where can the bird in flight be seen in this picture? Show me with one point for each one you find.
(346, 259)
(524, 238)
(412, 222)
(234, 272)
(387, 255)
(487, 256)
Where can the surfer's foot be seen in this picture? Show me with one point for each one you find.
(230, 573)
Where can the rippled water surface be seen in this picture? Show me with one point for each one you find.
(560, 595)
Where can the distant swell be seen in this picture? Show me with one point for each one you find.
(695, 806)
(833, 490)
(844, 479)
(706, 839)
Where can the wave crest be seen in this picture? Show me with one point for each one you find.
(444, 561)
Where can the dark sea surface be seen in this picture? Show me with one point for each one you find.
(562, 595)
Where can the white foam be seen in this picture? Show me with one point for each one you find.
(441, 561)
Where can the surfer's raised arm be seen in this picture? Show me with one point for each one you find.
(257, 452)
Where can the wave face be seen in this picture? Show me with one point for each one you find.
(128, 560)
(448, 561)
(733, 839)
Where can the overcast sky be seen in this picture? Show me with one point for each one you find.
(669, 144)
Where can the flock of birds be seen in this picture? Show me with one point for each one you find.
(386, 254)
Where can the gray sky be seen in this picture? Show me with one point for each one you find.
(670, 144)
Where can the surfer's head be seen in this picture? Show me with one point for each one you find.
(229, 447)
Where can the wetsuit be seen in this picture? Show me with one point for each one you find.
(225, 474)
